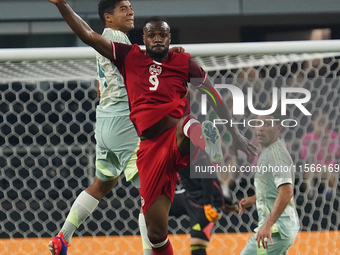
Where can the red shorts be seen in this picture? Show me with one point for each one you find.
(158, 162)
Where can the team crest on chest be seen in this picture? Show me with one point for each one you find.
(155, 69)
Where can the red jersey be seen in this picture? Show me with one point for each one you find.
(154, 89)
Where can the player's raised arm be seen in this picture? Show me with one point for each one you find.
(83, 30)
(239, 141)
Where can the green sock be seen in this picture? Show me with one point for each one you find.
(82, 208)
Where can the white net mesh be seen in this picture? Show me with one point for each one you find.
(47, 155)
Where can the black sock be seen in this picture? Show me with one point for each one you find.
(198, 249)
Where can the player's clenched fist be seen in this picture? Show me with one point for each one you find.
(211, 213)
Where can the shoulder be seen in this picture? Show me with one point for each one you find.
(136, 49)
(116, 36)
(134, 54)
(175, 55)
(278, 153)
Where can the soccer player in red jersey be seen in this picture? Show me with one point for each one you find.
(154, 79)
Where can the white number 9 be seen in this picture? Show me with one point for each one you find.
(154, 81)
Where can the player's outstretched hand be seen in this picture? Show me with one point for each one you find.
(243, 144)
(246, 202)
(211, 213)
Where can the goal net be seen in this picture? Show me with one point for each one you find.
(48, 100)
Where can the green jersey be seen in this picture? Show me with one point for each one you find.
(113, 95)
(279, 170)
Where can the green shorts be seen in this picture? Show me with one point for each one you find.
(116, 148)
(280, 246)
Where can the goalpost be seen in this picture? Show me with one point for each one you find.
(48, 100)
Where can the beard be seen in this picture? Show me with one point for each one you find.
(157, 55)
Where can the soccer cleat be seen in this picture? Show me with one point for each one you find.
(58, 245)
(212, 139)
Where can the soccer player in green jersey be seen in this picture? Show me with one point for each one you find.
(274, 197)
(116, 139)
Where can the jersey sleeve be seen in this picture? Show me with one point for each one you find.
(195, 71)
(119, 52)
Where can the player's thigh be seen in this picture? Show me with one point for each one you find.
(131, 170)
(107, 164)
(116, 134)
(252, 249)
(116, 142)
(280, 246)
(158, 163)
(156, 218)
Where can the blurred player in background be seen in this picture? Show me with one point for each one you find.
(202, 200)
(116, 137)
(321, 147)
(154, 81)
(274, 192)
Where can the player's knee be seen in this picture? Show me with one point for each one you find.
(156, 233)
(100, 188)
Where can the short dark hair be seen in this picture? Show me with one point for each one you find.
(276, 114)
(155, 19)
(106, 6)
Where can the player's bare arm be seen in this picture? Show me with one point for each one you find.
(281, 202)
(83, 30)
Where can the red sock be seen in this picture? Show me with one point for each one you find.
(192, 128)
(162, 247)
